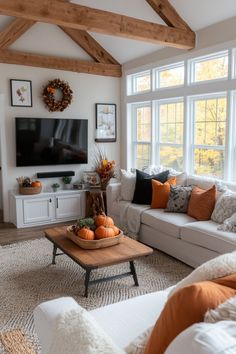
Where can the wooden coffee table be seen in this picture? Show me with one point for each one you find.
(126, 251)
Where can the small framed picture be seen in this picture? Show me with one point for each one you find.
(21, 93)
(105, 122)
(91, 179)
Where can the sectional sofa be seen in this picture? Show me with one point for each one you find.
(179, 235)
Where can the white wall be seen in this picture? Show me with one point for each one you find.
(87, 90)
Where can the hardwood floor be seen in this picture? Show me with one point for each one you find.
(10, 234)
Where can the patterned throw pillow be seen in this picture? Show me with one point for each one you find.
(228, 224)
(225, 207)
(178, 199)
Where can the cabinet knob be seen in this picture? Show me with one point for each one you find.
(50, 200)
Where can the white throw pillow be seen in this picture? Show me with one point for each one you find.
(225, 207)
(128, 180)
(229, 224)
(224, 312)
(77, 332)
(218, 267)
(206, 338)
(154, 170)
(181, 178)
(138, 345)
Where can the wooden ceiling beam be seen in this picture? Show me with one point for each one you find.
(13, 31)
(90, 45)
(168, 14)
(85, 18)
(51, 62)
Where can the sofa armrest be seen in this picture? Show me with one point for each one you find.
(113, 194)
(45, 316)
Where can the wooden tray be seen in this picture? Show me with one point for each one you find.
(94, 244)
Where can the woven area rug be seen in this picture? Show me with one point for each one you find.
(27, 278)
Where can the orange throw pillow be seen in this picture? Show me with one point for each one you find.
(201, 203)
(186, 307)
(160, 193)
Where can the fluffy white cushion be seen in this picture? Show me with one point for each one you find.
(138, 345)
(76, 332)
(218, 267)
(128, 180)
(206, 338)
(225, 311)
(225, 207)
(181, 177)
(229, 224)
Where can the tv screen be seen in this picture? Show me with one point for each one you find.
(48, 141)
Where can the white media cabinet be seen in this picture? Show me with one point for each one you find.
(46, 208)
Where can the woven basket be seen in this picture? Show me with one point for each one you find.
(30, 190)
(94, 244)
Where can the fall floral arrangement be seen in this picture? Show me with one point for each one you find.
(49, 90)
(104, 168)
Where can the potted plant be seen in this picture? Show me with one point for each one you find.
(67, 181)
(55, 187)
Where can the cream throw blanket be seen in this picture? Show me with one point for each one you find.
(130, 216)
(218, 267)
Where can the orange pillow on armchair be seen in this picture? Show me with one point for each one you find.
(186, 307)
(160, 193)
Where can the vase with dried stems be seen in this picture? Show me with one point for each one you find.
(104, 167)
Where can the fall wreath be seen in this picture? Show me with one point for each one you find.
(49, 98)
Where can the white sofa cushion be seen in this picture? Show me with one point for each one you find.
(206, 234)
(206, 338)
(128, 180)
(201, 182)
(126, 320)
(168, 223)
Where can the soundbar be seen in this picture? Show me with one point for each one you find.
(55, 174)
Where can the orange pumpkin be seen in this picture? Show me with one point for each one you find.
(104, 220)
(116, 230)
(104, 232)
(36, 184)
(86, 234)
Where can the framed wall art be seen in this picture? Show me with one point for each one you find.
(21, 93)
(105, 122)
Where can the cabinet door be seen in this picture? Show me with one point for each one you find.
(69, 206)
(37, 210)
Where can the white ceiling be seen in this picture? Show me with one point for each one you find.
(197, 13)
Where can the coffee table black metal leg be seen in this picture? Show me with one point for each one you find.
(133, 271)
(86, 283)
(54, 253)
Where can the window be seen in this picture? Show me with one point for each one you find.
(169, 76)
(209, 122)
(210, 67)
(142, 131)
(188, 125)
(139, 83)
(171, 128)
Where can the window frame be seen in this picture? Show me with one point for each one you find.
(192, 145)
(205, 88)
(135, 142)
(192, 62)
(132, 82)
(156, 71)
(157, 143)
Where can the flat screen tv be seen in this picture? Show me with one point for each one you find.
(49, 141)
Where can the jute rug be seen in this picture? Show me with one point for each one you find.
(27, 278)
